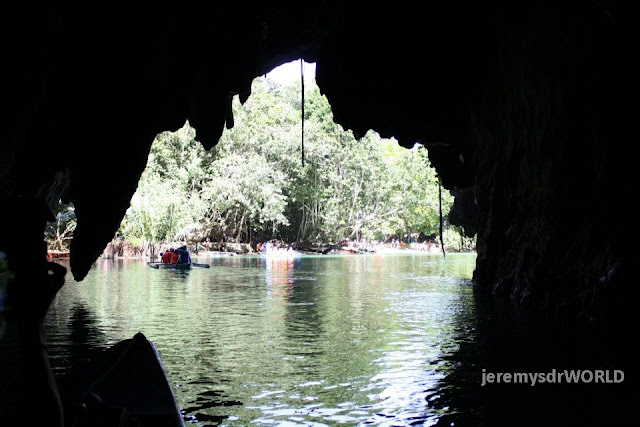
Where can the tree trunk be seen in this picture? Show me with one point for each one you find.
(239, 231)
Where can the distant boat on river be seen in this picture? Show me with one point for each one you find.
(184, 266)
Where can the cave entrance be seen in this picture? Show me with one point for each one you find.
(304, 328)
(253, 186)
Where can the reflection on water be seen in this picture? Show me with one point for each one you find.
(316, 340)
(509, 339)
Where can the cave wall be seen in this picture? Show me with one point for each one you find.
(526, 111)
(527, 105)
(549, 131)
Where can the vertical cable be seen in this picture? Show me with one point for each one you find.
(440, 203)
(302, 109)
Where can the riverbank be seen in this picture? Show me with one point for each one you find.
(346, 250)
(235, 249)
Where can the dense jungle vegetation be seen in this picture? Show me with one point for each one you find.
(252, 186)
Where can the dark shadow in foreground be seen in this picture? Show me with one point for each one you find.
(509, 339)
(123, 385)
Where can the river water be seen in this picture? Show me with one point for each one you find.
(389, 340)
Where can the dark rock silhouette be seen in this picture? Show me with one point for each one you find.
(529, 103)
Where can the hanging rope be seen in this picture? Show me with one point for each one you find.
(302, 102)
(440, 202)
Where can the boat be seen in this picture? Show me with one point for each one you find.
(183, 266)
(125, 384)
(52, 254)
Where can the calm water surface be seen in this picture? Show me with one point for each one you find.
(393, 340)
(316, 340)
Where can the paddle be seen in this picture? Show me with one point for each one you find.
(193, 264)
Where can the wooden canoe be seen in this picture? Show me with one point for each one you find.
(123, 385)
(185, 266)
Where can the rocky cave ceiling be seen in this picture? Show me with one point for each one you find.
(87, 88)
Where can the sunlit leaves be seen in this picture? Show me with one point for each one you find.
(253, 183)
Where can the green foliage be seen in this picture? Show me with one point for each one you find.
(167, 205)
(456, 241)
(252, 185)
(246, 191)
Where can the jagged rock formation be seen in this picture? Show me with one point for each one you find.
(527, 103)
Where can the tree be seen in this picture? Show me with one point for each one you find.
(167, 204)
(253, 186)
(58, 234)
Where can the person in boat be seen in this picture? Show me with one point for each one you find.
(183, 255)
(166, 256)
(173, 256)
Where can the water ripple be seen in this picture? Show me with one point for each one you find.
(316, 341)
